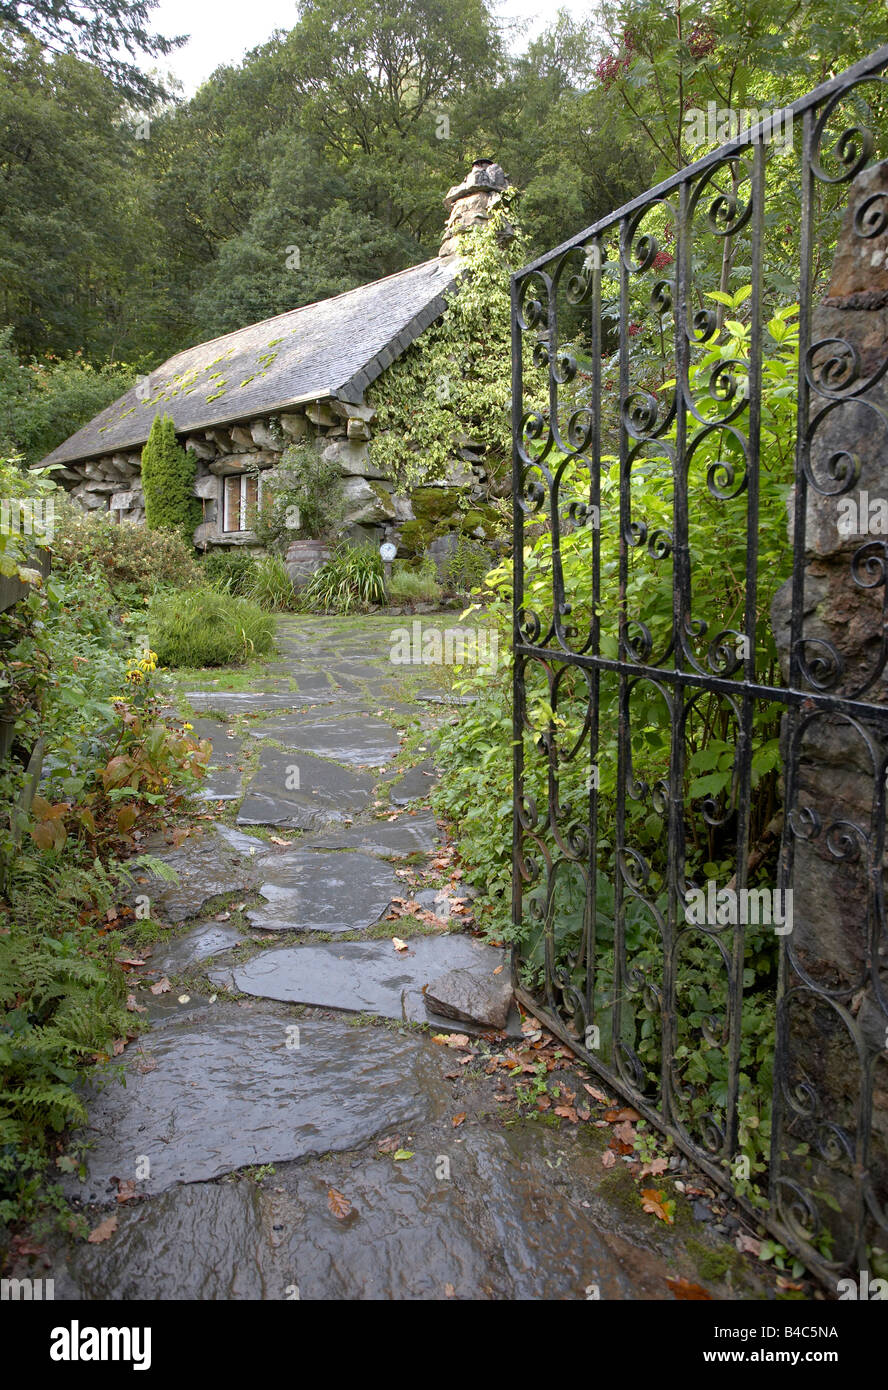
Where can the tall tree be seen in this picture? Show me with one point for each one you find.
(97, 30)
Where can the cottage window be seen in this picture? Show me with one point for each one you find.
(241, 502)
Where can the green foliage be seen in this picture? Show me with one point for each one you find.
(303, 498)
(414, 585)
(352, 578)
(202, 627)
(468, 565)
(270, 585)
(168, 473)
(44, 401)
(230, 571)
(456, 379)
(133, 560)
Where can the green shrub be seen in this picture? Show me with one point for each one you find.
(270, 585)
(303, 498)
(133, 559)
(229, 571)
(202, 627)
(168, 473)
(468, 565)
(419, 585)
(353, 577)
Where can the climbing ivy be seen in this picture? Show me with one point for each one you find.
(168, 473)
(456, 379)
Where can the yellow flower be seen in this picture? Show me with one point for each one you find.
(187, 726)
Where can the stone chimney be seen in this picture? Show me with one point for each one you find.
(470, 203)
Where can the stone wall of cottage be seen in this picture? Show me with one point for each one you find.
(432, 517)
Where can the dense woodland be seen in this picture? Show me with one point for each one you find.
(135, 222)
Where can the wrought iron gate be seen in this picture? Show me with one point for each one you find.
(675, 742)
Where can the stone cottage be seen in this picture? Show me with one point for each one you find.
(238, 401)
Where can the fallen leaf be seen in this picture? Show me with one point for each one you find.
(499, 970)
(119, 1044)
(449, 1291)
(387, 1146)
(133, 1007)
(338, 1204)
(625, 1133)
(221, 916)
(398, 944)
(126, 1191)
(618, 1116)
(276, 840)
(458, 1119)
(608, 1158)
(748, 1245)
(566, 1112)
(595, 1093)
(684, 1289)
(402, 1154)
(655, 1168)
(657, 1205)
(784, 1283)
(104, 1231)
(161, 986)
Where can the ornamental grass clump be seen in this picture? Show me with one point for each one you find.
(202, 627)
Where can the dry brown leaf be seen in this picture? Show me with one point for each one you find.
(566, 1112)
(398, 944)
(104, 1231)
(161, 986)
(126, 1191)
(748, 1245)
(608, 1158)
(133, 1007)
(338, 1204)
(684, 1289)
(655, 1168)
(458, 1119)
(596, 1094)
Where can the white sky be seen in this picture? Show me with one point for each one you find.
(222, 31)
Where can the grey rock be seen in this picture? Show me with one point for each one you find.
(473, 997)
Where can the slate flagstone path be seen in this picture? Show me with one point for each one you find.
(290, 1050)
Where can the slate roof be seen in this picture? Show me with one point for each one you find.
(335, 347)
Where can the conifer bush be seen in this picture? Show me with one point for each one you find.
(168, 473)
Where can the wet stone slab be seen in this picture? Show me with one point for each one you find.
(206, 1241)
(313, 796)
(200, 944)
(358, 740)
(223, 779)
(207, 864)
(371, 976)
(233, 702)
(504, 1226)
(415, 785)
(226, 1091)
(310, 890)
(409, 834)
